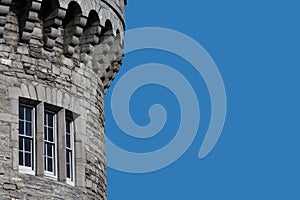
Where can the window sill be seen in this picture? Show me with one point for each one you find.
(71, 183)
(50, 176)
(26, 170)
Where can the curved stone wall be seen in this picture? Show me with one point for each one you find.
(62, 54)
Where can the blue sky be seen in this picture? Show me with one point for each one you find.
(255, 45)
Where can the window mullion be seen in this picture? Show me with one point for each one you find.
(61, 138)
(40, 140)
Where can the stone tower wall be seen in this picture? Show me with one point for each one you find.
(64, 54)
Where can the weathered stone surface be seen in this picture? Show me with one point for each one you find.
(9, 186)
(2, 171)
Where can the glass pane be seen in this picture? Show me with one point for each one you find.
(68, 171)
(21, 112)
(50, 120)
(21, 143)
(50, 168)
(32, 155)
(68, 141)
(28, 129)
(28, 114)
(68, 157)
(21, 127)
(27, 145)
(45, 164)
(50, 135)
(21, 162)
(28, 159)
(45, 133)
(45, 149)
(45, 119)
(68, 126)
(49, 150)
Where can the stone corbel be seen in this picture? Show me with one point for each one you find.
(51, 25)
(73, 32)
(4, 10)
(30, 21)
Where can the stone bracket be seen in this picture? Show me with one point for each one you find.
(51, 25)
(29, 23)
(73, 31)
(4, 10)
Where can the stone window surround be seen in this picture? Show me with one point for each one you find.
(40, 93)
(60, 115)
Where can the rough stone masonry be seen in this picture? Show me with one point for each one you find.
(57, 55)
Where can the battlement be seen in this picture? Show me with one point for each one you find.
(84, 30)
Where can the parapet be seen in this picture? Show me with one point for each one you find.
(87, 30)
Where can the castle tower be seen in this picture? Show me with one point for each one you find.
(57, 59)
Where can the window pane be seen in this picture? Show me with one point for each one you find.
(45, 118)
(45, 163)
(68, 157)
(45, 149)
(68, 171)
(50, 120)
(45, 133)
(21, 143)
(28, 114)
(49, 150)
(32, 154)
(27, 145)
(21, 127)
(50, 168)
(50, 135)
(21, 112)
(68, 126)
(21, 154)
(68, 141)
(28, 129)
(27, 159)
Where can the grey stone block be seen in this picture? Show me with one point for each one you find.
(9, 186)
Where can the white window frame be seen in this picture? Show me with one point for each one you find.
(48, 174)
(24, 169)
(69, 180)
